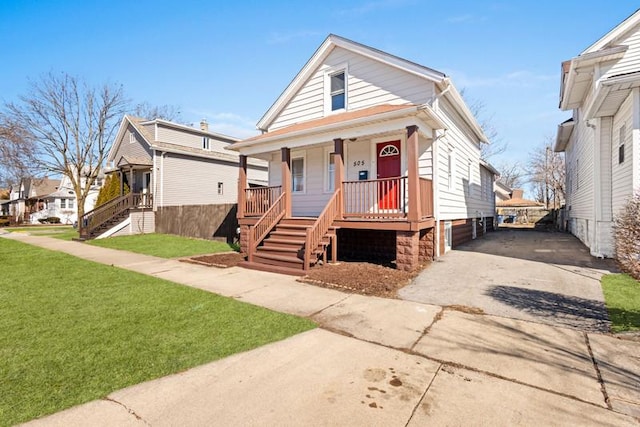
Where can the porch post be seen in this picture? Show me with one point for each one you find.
(414, 214)
(242, 185)
(286, 180)
(131, 183)
(338, 171)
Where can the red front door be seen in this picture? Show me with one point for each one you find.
(388, 154)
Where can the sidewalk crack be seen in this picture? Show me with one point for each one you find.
(312, 315)
(423, 395)
(129, 410)
(598, 373)
(436, 318)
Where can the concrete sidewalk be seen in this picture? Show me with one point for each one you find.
(374, 362)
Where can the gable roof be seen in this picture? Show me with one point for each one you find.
(330, 43)
(615, 34)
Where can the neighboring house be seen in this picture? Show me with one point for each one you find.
(4, 201)
(502, 192)
(182, 181)
(62, 202)
(27, 196)
(373, 153)
(601, 141)
(518, 209)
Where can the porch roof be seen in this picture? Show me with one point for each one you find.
(342, 121)
(133, 161)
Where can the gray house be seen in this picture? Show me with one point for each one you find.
(181, 180)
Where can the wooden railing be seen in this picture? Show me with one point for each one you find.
(265, 224)
(377, 198)
(93, 219)
(258, 200)
(426, 197)
(317, 231)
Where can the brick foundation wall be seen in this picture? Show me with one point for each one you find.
(407, 250)
(244, 239)
(427, 245)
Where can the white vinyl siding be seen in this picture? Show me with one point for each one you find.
(461, 200)
(313, 200)
(191, 181)
(630, 62)
(580, 163)
(425, 159)
(369, 83)
(622, 173)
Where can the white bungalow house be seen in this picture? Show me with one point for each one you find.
(182, 181)
(370, 155)
(601, 142)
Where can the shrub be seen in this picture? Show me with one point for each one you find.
(4, 222)
(110, 190)
(53, 220)
(627, 237)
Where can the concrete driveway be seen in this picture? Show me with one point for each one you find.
(540, 276)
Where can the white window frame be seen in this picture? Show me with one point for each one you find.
(206, 143)
(304, 173)
(451, 170)
(342, 68)
(132, 137)
(329, 179)
(63, 203)
(70, 203)
(448, 236)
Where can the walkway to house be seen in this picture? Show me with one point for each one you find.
(540, 276)
(373, 361)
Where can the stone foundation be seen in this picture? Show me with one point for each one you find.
(407, 250)
(427, 245)
(244, 239)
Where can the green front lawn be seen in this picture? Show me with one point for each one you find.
(64, 232)
(72, 331)
(163, 245)
(622, 297)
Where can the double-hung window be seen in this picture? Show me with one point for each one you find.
(338, 92)
(297, 174)
(331, 172)
(63, 203)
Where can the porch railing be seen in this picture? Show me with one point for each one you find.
(426, 197)
(377, 198)
(317, 231)
(265, 224)
(93, 219)
(384, 198)
(259, 200)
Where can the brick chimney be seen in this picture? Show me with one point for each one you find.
(517, 193)
(204, 126)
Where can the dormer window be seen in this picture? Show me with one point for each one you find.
(338, 91)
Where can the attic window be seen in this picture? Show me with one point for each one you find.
(132, 138)
(338, 91)
(205, 142)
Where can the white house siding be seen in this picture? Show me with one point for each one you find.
(425, 160)
(193, 181)
(579, 161)
(630, 62)
(191, 139)
(315, 197)
(464, 199)
(622, 174)
(369, 83)
(136, 150)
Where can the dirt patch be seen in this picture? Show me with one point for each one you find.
(223, 260)
(464, 309)
(360, 277)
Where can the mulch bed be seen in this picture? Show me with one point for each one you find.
(353, 277)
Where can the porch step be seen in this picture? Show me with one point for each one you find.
(272, 268)
(279, 260)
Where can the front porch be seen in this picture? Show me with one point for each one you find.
(398, 209)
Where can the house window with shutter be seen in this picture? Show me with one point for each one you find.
(621, 144)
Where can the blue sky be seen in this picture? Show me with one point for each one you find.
(228, 61)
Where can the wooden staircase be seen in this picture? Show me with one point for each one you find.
(102, 218)
(283, 249)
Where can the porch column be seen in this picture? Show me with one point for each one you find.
(286, 180)
(242, 185)
(338, 171)
(131, 183)
(414, 214)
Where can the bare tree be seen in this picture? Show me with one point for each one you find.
(164, 112)
(67, 126)
(496, 145)
(546, 171)
(16, 152)
(511, 173)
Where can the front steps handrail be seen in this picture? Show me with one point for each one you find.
(265, 224)
(104, 213)
(320, 227)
